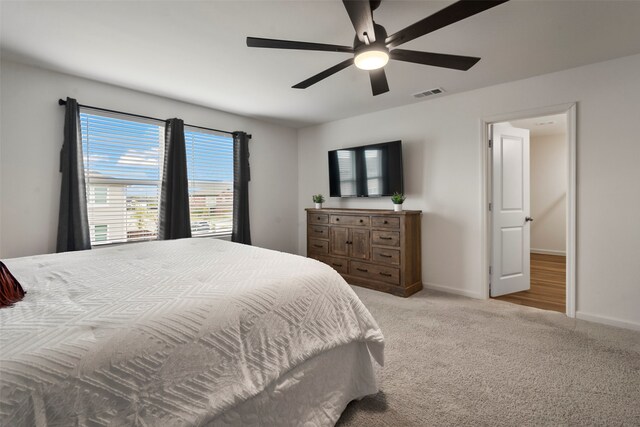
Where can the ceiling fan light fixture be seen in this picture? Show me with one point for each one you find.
(371, 59)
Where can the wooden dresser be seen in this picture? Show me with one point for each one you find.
(374, 248)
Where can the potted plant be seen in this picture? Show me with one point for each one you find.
(398, 199)
(318, 199)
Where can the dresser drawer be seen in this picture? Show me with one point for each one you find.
(350, 220)
(375, 272)
(387, 238)
(390, 222)
(318, 218)
(387, 256)
(318, 231)
(338, 264)
(318, 247)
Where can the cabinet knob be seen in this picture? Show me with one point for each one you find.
(386, 222)
(337, 219)
(362, 220)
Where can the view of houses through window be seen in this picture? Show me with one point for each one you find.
(210, 172)
(123, 171)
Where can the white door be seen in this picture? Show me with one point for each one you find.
(510, 209)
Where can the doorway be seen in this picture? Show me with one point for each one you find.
(529, 174)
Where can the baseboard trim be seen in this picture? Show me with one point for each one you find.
(608, 321)
(451, 290)
(547, 252)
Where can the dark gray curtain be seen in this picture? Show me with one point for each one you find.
(73, 223)
(241, 232)
(174, 195)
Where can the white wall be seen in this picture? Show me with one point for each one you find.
(549, 193)
(442, 155)
(31, 125)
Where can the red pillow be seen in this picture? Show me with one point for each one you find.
(10, 289)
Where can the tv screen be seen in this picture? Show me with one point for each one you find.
(367, 171)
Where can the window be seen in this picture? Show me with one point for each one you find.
(100, 233)
(123, 172)
(123, 166)
(210, 172)
(100, 195)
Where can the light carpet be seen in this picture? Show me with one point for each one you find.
(452, 360)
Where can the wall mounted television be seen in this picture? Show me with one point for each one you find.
(367, 171)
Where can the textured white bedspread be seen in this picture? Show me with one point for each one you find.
(165, 333)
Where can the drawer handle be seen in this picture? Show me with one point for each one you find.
(386, 238)
(364, 270)
(386, 222)
(318, 218)
(318, 231)
(337, 265)
(385, 274)
(385, 256)
(337, 219)
(348, 242)
(362, 220)
(318, 246)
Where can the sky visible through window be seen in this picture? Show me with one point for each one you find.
(124, 149)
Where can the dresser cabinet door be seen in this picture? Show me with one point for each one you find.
(339, 241)
(359, 242)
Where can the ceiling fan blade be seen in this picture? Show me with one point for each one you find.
(450, 14)
(324, 74)
(456, 62)
(291, 44)
(379, 83)
(361, 17)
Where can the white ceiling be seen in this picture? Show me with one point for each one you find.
(196, 52)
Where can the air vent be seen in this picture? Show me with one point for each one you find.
(429, 92)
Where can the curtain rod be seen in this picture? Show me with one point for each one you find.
(63, 102)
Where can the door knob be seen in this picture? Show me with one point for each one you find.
(528, 219)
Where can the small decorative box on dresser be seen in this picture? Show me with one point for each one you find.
(374, 248)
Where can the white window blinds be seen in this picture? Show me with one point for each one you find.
(123, 167)
(210, 172)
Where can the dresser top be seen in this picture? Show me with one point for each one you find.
(363, 211)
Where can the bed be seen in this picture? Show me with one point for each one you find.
(180, 333)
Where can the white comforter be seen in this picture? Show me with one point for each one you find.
(165, 333)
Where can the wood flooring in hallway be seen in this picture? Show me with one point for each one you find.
(547, 284)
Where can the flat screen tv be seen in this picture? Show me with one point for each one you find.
(367, 171)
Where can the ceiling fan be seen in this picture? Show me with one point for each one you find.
(372, 48)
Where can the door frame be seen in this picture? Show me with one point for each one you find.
(485, 181)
